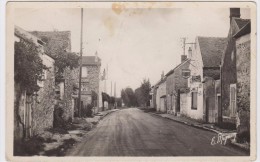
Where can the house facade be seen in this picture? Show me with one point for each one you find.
(161, 102)
(90, 80)
(56, 42)
(175, 83)
(35, 111)
(205, 60)
(229, 68)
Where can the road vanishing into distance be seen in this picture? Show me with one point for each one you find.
(132, 132)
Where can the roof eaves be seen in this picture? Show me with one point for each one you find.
(242, 29)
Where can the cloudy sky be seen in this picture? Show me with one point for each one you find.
(133, 43)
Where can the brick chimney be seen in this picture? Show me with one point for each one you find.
(162, 75)
(234, 12)
(190, 52)
(183, 58)
(96, 57)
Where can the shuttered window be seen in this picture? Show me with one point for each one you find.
(194, 96)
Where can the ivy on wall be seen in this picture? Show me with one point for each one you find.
(28, 66)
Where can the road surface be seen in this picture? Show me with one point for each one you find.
(132, 132)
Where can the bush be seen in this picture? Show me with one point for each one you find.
(87, 110)
(243, 137)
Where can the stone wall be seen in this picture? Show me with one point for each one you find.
(71, 79)
(92, 79)
(55, 41)
(243, 82)
(211, 111)
(43, 105)
(183, 104)
(161, 91)
(174, 83)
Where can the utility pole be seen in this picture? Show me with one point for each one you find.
(80, 67)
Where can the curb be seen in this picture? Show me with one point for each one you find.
(186, 123)
(108, 113)
(233, 144)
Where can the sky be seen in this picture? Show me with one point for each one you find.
(133, 43)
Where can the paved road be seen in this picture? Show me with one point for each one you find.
(131, 132)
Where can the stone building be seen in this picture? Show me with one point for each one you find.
(243, 52)
(58, 43)
(205, 71)
(35, 111)
(90, 81)
(175, 82)
(229, 68)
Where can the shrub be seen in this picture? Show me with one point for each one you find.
(87, 110)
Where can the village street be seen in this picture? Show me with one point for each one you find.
(132, 132)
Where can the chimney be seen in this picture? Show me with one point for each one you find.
(234, 12)
(190, 52)
(96, 57)
(162, 75)
(183, 58)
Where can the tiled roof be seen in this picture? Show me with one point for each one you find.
(91, 60)
(212, 49)
(172, 71)
(241, 22)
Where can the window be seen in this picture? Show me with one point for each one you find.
(194, 96)
(233, 100)
(84, 71)
(40, 83)
(84, 86)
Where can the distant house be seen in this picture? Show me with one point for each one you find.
(35, 110)
(56, 43)
(205, 60)
(90, 93)
(161, 102)
(175, 83)
(238, 32)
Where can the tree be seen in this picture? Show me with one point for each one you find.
(139, 97)
(28, 66)
(145, 90)
(142, 93)
(63, 60)
(28, 69)
(128, 97)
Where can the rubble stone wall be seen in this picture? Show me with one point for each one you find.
(243, 82)
(43, 105)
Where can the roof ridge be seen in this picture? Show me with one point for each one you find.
(211, 37)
